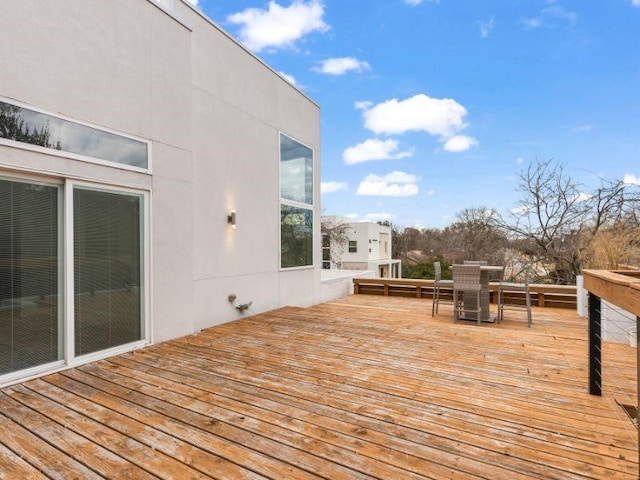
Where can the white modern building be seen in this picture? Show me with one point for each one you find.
(368, 247)
(151, 169)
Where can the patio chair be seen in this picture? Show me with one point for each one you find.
(507, 288)
(466, 279)
(437, 284)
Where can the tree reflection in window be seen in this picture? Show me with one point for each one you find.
(28, 126)
(296, 234)
(14, 127)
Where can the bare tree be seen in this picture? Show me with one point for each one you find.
(475, 236)
(335, 238)
(557, 219)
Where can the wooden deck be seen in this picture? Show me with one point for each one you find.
(362, 387)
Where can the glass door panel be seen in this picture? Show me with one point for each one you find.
(108, 288)
(30, 275)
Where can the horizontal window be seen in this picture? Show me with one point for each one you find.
(35, 128)
(353, 246)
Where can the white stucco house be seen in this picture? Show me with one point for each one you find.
(150, 168)
(368, 247)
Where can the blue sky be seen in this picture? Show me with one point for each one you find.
(430, 107)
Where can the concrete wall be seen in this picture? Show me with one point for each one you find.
(213, 113)
(339, 283)
(363, 232)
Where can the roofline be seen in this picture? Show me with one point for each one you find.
(230, 37)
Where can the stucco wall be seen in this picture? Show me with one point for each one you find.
(240, 107)
(213, 113)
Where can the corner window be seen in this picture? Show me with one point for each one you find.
(353, 246)
(296, 204)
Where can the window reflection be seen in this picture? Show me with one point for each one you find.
(296, 234)
(296, 171)
(28, 126)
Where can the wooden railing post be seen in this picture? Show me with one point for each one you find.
(595, 345)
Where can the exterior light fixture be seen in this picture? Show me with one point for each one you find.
(231, 218)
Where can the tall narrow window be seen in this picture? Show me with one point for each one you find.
(108, 269)
(30, 269)
(296, 204)
(326, 252)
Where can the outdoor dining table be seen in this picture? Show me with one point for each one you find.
(470, 300)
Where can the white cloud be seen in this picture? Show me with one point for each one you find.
(340, 66)
(520, 160)
(330, 187)
(277, 26)
(436, 116)
(551, 16)
(394, 184)
(289, 78)
(373, 149)
(635, 3)
(629, 179)
(531, 22)
(364, 105)
(583, 197)
(460, 143)
(377, 217)
(351, 216)
(560, 13)
(583, 128)
(486, 26)
(431, 193)
(418, 2)
(521, 210)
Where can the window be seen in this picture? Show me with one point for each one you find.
(296, 234)
(30, 275)
(55, 308)
(31, 127)
(353, 246)
(296, 204)
(296, 171)
(108, 269)
(326, 252)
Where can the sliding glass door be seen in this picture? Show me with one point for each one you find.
(55, 307)
(30, 275)
(107, 261)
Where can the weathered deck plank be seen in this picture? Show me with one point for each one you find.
(362, 387)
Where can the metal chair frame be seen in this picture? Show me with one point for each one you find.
(504, 287)
(437, 283)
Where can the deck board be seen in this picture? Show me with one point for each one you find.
(361, 387)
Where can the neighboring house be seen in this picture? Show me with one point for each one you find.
(150, 168)
(367, 247)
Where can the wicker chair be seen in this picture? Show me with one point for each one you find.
(437, 284)
(505, 288)
(466, 279)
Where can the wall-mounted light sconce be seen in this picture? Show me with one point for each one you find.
(231, 218)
